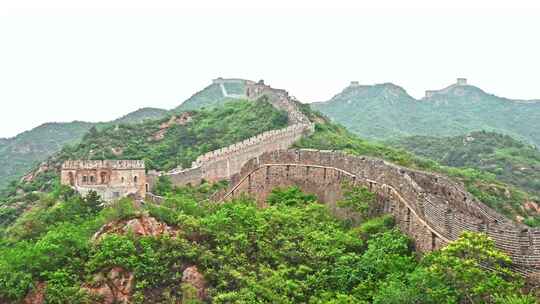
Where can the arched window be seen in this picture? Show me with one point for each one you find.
(92, 179)
(85, 179)
(135, 179)
(122, 179)
(71, 179)
(103, 176)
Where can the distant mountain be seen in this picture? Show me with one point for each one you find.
(20, 153)
(512, 161)
(385, 111)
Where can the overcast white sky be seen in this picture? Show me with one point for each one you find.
(97, 60)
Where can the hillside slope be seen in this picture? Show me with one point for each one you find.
(510, 160)
(212, 95)
(386, 111)
(141, 115)
(22, 152)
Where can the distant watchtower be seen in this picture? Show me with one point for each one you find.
(461, 81)
(111, 179)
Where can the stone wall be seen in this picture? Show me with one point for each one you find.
(430, 208)
(280, 99)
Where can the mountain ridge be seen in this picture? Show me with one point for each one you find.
(385, 111)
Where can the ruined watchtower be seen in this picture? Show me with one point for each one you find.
(111, 179)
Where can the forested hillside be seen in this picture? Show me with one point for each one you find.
(177, 141)
(386, 111)
(65, 248)
(163, 144)
(19, 154)
(511, 161)
(69, 249)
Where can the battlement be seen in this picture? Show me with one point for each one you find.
(103, 164)
(272, 135)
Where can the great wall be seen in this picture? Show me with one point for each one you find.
(430, 208)
(224, 163)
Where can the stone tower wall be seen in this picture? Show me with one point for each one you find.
(111, 179)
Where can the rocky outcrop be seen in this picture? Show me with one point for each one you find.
(32, 175)
(37, 295)
(181, 120)
(531, 206)
(114, 287)
(140, 226)
(194, 279)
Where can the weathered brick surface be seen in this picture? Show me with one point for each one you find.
(111, 179)
(430, 208)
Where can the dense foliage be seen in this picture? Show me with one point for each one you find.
(483, 185)
(293, 251)
(510, 160)
(386, 111)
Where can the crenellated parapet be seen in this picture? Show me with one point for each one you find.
(101, 164)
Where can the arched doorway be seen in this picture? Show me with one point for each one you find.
(71, 179)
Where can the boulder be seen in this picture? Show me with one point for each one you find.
(142, 226)
(114, 287)
(36, 295)
(191, 276)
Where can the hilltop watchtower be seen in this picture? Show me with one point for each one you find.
(111, 179)
(461, 81)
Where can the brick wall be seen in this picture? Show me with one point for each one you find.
(430, 208)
